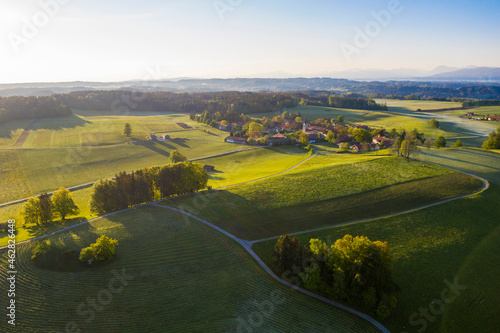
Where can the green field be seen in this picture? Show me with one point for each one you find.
(405, 106)
(315, 112)
(184, 277)
(457, 239)
(230, 169)
(98, 128)
(34, 171)
(326, 190)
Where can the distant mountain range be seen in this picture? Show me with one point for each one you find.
(441, 73)
(442, 82)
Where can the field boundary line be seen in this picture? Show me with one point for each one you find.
(484, 188)
(91, 183)
(248, 247)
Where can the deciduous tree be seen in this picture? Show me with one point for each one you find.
(63, 204)
(176, 156)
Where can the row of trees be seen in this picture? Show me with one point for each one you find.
(17, 107)
(42, 209)
(147, 185)
(355, 270)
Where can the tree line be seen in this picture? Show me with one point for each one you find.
(17, 107)
(354, 270)
(147, 185)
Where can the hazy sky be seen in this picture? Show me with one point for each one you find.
(111, 40)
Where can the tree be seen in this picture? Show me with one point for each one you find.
(45, 208)
(127, 129)
(408, 147)
(264, 141)
(102, 249)
(344, 146)
(493, 141)
(254, 127)
(251, 141)
(288, 255)
(31, 211)
(303, 139)
(340, 119)
(356, 270)
(224, 122)
(63, 204)
(176, 156)
(428, 143)
(298, 119)
(365, 147)
(434, 123)
(362, 135)
(458, 144)
(440, 142)
(330, 137)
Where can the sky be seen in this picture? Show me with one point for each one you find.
(91, 40)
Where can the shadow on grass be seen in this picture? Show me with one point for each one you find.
(35, 230)
(247, 220)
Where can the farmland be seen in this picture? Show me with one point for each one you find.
(458, 239)
(230, 169)
(183, 267)
(326, 190)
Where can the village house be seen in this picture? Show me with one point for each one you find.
(493, 118)
(277, 139)
(153, 137)
(209, 168)
(166, 137)
(233, 139)
(223, 127)
(379, 140)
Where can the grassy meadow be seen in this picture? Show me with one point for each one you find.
(458, 239)
(326, 190)
(230, 169)
(182, 277)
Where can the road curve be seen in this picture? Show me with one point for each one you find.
(248, 247)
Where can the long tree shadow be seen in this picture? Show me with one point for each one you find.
(59, 123)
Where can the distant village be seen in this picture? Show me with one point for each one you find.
(281, 130)
(286, 132)
(472, 116)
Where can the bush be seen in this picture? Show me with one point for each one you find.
(103, 249)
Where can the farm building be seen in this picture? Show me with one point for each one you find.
(277, 139)
(356, 147)
(209, 168)
(165, 137)
(380, 139)
(153, 137)
(233, 139)
(223, 127)
(493, 118)
(470, 114)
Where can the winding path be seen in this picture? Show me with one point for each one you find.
(248, 247)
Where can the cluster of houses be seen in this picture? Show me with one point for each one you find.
(315, 134)
(472, 116)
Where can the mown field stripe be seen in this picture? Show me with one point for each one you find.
(248, 247)
(484, 188)
(76, 187)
